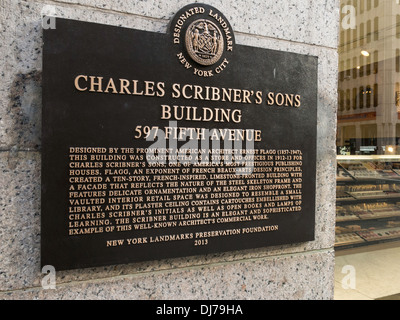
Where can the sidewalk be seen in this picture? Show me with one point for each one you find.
(377, 272)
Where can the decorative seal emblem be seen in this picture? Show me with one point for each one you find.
(203, 39)
(204, 42)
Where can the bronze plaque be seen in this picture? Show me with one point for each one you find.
(161, 145)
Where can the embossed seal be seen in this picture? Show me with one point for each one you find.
(204, 42)
(203, 39)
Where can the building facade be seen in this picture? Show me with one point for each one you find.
(295, 271)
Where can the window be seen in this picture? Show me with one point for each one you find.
(361, 98)
(368, 92)
(354, 98)
(362, 35)
(348, 69)
(355, 40)
(355, 69)
(348, 99)
(368, 135)
(341, 100)
(368, 67)
(376, 59)
(361, 66)
(398, 26)
(341, 71)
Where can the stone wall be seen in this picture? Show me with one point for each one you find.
(297, 271)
